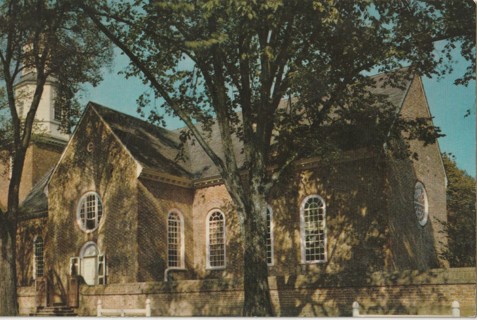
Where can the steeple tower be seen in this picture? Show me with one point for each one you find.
(48, 118)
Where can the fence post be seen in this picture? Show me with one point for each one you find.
(455, 309)
(148, 307)
(355, 309)
(98, 308)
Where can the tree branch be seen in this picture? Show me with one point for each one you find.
(160, 89)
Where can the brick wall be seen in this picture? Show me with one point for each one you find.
(406, 292)
(414, 246)
(39, 158)
(26, 233)
(155, 201)
(104, 167)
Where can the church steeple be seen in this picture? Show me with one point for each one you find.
(48, 118)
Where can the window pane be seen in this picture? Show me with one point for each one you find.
(38, 252)
(90, 211)
(314, 229)
(174, 238)
(216, 239)
(269, 242)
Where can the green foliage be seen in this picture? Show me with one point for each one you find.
(456, 24)
(232, 62)
(50, 39)
(460, 224)
(40, 41)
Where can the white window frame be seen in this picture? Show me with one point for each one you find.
(270, 228)
(10, 167)
(98, 214)
(102, 270)
(35, 271)
(181, 238)
(302, 231)
(207, 241)
(422, 221)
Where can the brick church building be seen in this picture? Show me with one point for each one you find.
(109, 214)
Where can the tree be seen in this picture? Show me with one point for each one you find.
(47, 40)
(232, 62)
(456, 25)
(460, 224)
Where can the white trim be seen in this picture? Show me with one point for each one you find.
(85, 246)
(425, 218)
(182, 239)
(82, 258)
(97, 220)
(207, 241)
(302, 231)
(272, 245)
(10, 167)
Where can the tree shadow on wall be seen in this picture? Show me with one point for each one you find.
(94, 161)
(369, 245)
(26, 233)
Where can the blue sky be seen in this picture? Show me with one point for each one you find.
(448, 104)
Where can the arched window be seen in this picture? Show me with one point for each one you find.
(269, 239)
(421, 203)
(90, 210)
(38, 260)
(313, 229)
(175, 240)
(215, 240)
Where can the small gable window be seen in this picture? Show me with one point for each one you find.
(313, 229)
(90, 210)
(421, 204)
(175, 240)
(269, 240)
(38, 259)
(215, 240)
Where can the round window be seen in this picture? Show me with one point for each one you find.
(90, 210)
(421, 205)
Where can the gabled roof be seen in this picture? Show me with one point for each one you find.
(152, 146)
(202, 166)
(157, 148)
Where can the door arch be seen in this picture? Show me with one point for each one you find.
(89, 262)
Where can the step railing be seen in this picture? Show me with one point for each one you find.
(102, 312)
(455, 313)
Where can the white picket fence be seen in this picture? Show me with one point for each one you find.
(455, 313)
(146, 312)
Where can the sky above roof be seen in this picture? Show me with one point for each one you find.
(448, 104)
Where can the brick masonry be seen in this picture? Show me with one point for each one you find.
(371, 229)
(406, 293)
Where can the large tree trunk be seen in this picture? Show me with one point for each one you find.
(8, 276)
(257, 300)
(8, 231)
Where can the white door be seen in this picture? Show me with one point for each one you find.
(88, 270)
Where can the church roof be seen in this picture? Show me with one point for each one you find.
(152, 146)
(157, 148)
(36, 201)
